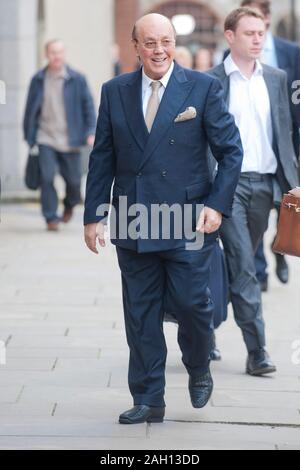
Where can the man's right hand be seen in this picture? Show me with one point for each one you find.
(92, 233)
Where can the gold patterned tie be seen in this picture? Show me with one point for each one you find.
(153, 105)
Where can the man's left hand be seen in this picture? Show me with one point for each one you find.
(209, 221)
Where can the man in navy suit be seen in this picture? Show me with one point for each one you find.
(153, 131)
(285, 55)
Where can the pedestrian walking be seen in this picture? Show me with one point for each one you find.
(257, 98)
(60, 119)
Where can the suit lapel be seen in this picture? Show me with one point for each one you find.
(131, 97)
(176, 93)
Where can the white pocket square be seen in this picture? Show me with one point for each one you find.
(189, 113)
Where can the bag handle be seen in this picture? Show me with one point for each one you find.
(292, 200)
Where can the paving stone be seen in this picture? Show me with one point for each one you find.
(224, 436)
(19, 410)
(10, 393)
(51, 426)
(250, 399)
(53, 342)
(73, 352)
(27, 364)
(45, 330)
(126, 444)
(65, 381)
(251, 416)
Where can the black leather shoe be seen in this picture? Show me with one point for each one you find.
(142, 414)
(282, 269)
(200, 389)
(259, 363)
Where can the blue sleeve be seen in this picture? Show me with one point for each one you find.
(28, 110)
(101, 165)
(88, 110)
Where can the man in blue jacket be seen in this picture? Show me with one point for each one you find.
(153, 131)
(59, 118)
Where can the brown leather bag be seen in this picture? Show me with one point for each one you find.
(287, 241)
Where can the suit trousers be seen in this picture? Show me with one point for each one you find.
(69, 165)
(179, 279)
(241, 236)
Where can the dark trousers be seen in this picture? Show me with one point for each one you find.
(69, 166)
(176, 278)
(241, 236)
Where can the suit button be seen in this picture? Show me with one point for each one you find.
(139, 175)
(172, 142)
(164, 173)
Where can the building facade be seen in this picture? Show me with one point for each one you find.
(87, 28)
(94, 32)
(209, 16)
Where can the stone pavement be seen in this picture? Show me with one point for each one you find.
(64, 382)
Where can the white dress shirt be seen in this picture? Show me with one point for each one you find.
(147, 90)
(250, 106)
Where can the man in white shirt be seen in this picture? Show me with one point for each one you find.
(258, 100)
(285, 55)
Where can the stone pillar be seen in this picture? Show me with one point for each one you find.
(87, 29)
(18, 62)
